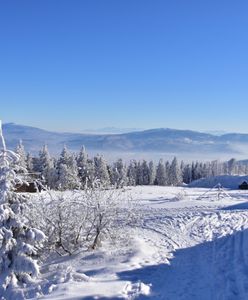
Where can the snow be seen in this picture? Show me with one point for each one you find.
(189, 244)
(227, 181)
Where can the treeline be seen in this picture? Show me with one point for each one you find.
(73, 171)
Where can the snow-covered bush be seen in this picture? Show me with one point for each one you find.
(78, 219)
(18, 241)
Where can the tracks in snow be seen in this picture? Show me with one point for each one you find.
(211, 261)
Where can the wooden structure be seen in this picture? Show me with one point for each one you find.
(217, 192)
(32, 183)
(243, 186)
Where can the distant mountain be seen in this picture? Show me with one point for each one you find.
(217, 132)
(111, 130)
(162, 140)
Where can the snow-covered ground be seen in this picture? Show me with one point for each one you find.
(227, 181)
(189, 243)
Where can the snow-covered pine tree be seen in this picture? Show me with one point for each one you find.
(139, 174)
(197, 170)
(167, 171)
(160, 173)
(67, 171)
(101, 170)
(17, 240)
(152, 173)
(90, 173)
(83, 166)
(175, 174)
(231, 166)
(30, 164)
(119, 174)
(122, 169)
(64, 157)
(214, 167)
(114, 176)
(193, 175)
(145, 173)
(182, 166)
(46, 167)
(20, 151)
(132, 173)
(187, 174)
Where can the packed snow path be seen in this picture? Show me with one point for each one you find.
(212, 257)
(182, 249)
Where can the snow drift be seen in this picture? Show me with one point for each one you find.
(227, 181)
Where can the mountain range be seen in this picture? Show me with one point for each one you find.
(161, 140)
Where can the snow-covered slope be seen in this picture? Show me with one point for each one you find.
(182, 248)
(227, 181)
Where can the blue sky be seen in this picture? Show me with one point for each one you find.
(71, 65)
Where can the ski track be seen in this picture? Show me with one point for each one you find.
(212, 258)
(178, 251)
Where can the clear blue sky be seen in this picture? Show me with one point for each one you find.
(76, 64)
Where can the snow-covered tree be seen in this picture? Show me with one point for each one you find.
(167, 171)
(83, 166)
(46, 167)
(161, 174)
(30, 164)
(101, 170)
(90, 173)
(119, 174)
(213, 168)
(139, 174)
(20, 151)
(175, 174)
(231, 166)
(17, 239)
(67, 171)
(187, 174)
(152, 173)
(132, 173)
(145, 173)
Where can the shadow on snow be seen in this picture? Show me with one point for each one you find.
(209, 271)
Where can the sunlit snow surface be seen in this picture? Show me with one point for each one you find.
(189, 243)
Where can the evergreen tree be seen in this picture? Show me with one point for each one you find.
(67, 171)
(90, 179)
(65, 156)
(83, 166)
(17, 240)
(30, 164)
(160, 174)
(175, 173)
(167, 171)
(119, 174)
(20, 151)
(139, 174)
(145, 173)
(152, 173)
(132, 173)
(46, 167)
(231, 166)
(187, 174)
(101, 170)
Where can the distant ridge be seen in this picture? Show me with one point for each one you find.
(161, 140)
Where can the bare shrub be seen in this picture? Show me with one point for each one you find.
(79, 219)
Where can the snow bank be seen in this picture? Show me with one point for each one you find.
(227, 181)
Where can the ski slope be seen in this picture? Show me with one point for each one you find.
(189, 243)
